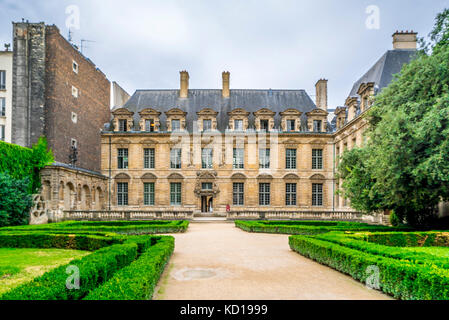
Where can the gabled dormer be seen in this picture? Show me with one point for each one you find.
(317, 120)
(176, 120)
(291, 120)
(207, 120)
(149, 120)
(264, 120)
(122, 120)
(340, 113)
(366, 93)
(238, 119)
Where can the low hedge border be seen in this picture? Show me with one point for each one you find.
(94, 269)
(61, 241)
(400, 278)
(412, 239)
(124, 285)
(358, 242)
(121, 227)
(113, 254)
(309, 227)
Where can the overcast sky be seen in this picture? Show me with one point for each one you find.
(282, 44)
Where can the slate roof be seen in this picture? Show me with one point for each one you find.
(199, 99)
(384, 69)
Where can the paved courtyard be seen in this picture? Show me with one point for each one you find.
(220, 261)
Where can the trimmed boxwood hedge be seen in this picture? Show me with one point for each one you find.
(121, 227)
(309, 227)
(125, 285)
(94, 269)
(146, 254)
(403, 279)
(61, 241)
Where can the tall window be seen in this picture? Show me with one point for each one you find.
(122, 193)
(2, 79)
(291, 125)
(264, 194)
(148, 194)
(207, 125)
(317, 194)
(175, 158)
(2, 107)
(238, 158)
(238, 125)
(264, 125)
(238, 194)
(290, 158)
(122, 159)
(148, 158)
(2, 133)
(317, 159)
(264, 158)
(123, 125)
(290, 194)
(175, 125)
(175, 194)
(206, 158)
(316, 125)
(149, 125)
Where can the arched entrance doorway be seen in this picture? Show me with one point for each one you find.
(206, 190)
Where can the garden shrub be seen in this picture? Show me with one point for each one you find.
(403, 279)
(309, 227)
(121, 227)
(15, 200)
(125, 285)
(59, 241)
(94, 269)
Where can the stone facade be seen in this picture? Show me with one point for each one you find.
(64, 189)
(57, 93)
(221, 174)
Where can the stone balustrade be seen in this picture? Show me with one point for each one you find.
(127, 215)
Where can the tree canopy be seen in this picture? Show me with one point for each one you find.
(404, 164)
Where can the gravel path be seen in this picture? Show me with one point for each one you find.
(214, 261)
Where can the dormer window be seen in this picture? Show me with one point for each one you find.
(238, 125)
(238, 119)
(176, 120)
(291, 124)
(264, 119)
(317, 120)
(123, 120)
(291, 120)
(207, 125)
(149, 125)
(317, 125)
(149, 120)
(175, 125)
(123, 125)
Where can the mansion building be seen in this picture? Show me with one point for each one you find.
(215, 150)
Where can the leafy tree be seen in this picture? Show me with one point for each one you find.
(404, 165)
(358, 183)
(15, 201)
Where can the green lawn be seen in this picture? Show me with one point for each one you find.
(18, 266)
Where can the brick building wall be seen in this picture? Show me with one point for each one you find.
(43, 77)
(91, 107)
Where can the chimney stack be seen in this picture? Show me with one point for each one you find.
(405, 40)
(321, 94)
(184, 91)
(226, 92)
